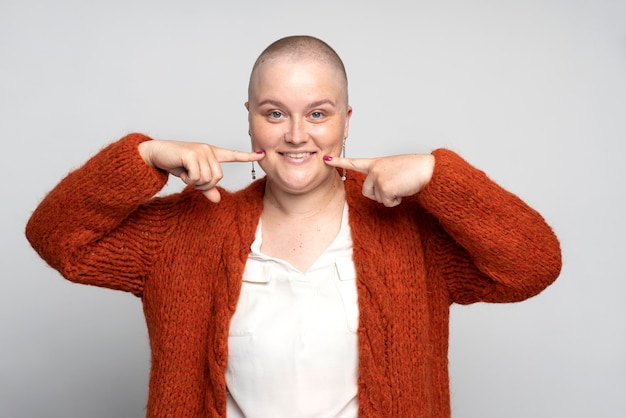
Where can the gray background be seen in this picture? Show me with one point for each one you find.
(531, 91)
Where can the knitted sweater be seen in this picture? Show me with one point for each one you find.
(462, 239)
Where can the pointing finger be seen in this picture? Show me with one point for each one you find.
(358, 164)
(224, 155)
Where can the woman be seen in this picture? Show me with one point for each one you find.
(314, 291)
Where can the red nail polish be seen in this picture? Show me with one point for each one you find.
(260, 152)
(327, 158)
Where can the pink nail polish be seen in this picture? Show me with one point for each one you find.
(327, 158)
(260, 152)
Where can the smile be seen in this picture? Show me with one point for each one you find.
(297, 154)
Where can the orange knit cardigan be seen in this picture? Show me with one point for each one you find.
(462, 239)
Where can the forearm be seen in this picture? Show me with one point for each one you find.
(506, 239)
(91, 202)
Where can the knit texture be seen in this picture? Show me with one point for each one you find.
(462, 239)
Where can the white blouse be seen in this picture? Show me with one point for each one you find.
(292, 342)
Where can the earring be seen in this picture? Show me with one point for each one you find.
(253, 172)
(343, 155)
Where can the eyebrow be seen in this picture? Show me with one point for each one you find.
(279, 104)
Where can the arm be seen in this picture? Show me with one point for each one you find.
(487, 243)
(505, 251)
(100, 225)
(92, 226)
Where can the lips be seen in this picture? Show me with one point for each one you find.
(297, 155)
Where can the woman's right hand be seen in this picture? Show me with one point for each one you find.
(193, 162)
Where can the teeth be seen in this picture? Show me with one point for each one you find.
(297, 155)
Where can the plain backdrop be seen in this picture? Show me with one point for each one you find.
(531, 91)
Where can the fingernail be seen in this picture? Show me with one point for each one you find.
(260, 152)
(327, 158)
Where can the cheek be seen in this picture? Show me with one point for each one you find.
(257, 130)
(264, 135)
(333, 136)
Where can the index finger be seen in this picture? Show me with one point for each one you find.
(359, 164)
(224, 155)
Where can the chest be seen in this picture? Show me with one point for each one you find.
(299, 243)
(292, 340)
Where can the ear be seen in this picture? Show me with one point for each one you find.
(347, 125)
(247, 105)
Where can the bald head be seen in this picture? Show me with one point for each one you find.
(301, 49)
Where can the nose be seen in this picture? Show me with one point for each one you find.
(296, 134)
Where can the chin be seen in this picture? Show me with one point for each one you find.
(294, 183)
(304, 183)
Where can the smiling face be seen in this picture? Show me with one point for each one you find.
(298, 113)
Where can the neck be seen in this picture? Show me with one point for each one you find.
(304, 205)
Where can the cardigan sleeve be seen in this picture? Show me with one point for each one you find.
(94, 227)
(501, 250)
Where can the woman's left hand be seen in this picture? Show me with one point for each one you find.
(389, 179)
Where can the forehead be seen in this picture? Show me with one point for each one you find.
(297, 76)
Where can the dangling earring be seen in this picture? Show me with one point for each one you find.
(343, 155)
(253, 172)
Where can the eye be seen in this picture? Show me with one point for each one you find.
(275, 114)
(316, 115)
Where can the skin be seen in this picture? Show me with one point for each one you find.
(297, 114)
(311, 116)
(194, 163)
(389, 179)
